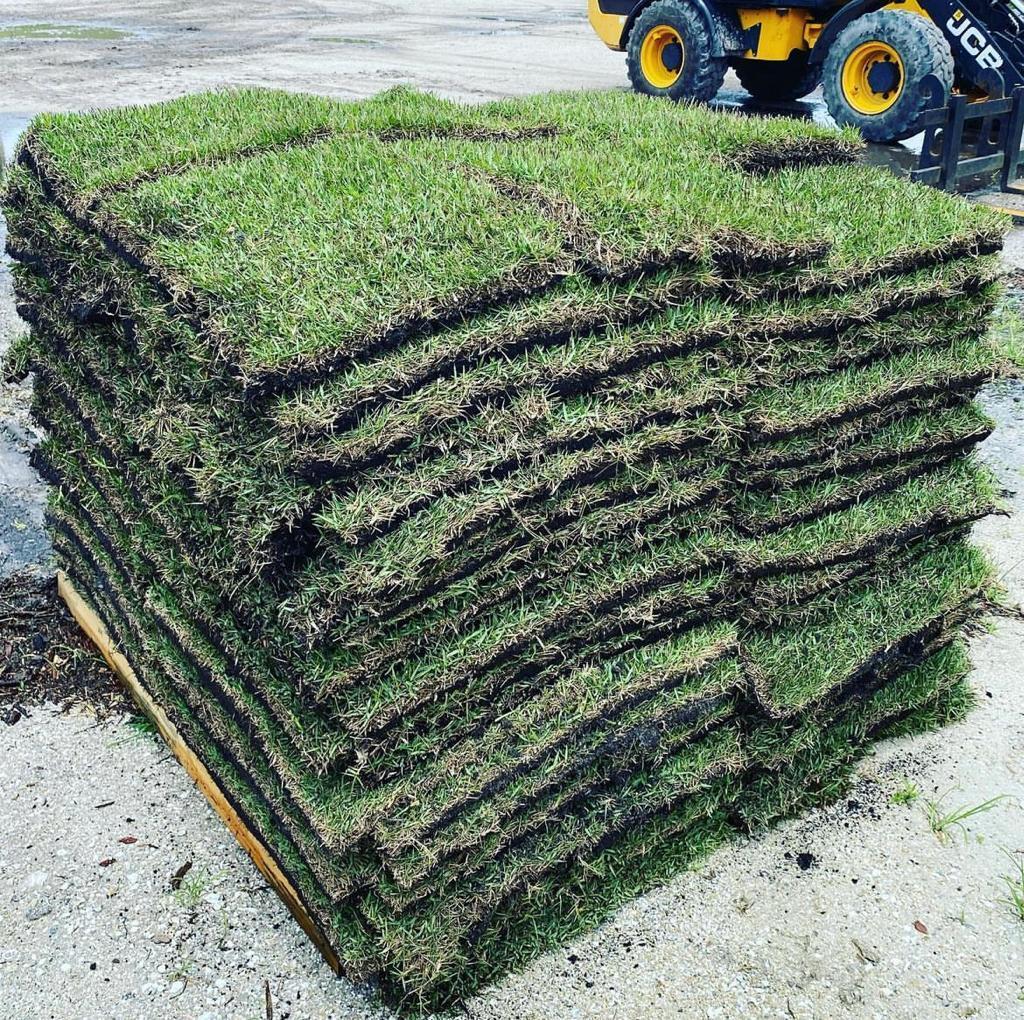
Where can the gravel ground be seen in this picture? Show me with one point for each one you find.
(859, 910)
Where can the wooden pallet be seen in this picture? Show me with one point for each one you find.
(97, 633)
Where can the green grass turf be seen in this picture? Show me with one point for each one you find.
(957, 427)
(156, 423)
(610, 524)
(475, 504)
(819, 403)
(933, 694)
(800, 450)
(813, 769)
(961, 504)
(522, 840)
(781, 600)
(680, 577)
(482, 855)
(968, 489)
(250, 785)
(279, 304)
(431, 420)
(508, 753)
(552, 739)
(237, 252)
(163, 418)
(567, 902)
(439, 517)
(524, 323)
(642, 794)
(345, 938)
(558, 910)
(863, 530)
(760, 514)
(678, 320)
(366, 177)
(211, 671)
(413, 553)
(815, 726)
(42, 237)
(955, 494)
(353, 940)
(757, 328)
(507, 474)
(392, 494)
(523, 575)
(165, 497)
(811, 658)
(185, 508)
(109, 149)
(427, 746)
(405, 561)
(899, 329)
(645, 748)
(894, 690)
(340, 809)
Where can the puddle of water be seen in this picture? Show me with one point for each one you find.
(510, 30)
(11, 127)
(345, 40)
(57, 32)
(898, 158)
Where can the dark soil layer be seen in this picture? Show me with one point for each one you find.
(45, 657)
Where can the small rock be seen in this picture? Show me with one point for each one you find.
(38, 909)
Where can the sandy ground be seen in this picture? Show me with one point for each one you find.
(859, 911)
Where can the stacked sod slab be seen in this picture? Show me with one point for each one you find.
(508, 504)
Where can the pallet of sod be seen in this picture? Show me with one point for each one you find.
(498, 546)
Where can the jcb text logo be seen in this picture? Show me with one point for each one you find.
(974, 41)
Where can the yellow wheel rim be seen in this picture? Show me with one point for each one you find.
(873, 78)
(662, 56)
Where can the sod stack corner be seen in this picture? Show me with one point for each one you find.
(507, 504)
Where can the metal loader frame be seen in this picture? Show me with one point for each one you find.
(990, 130)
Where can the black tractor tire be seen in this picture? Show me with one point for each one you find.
(698, 74)
(924, 54)
(778, 80)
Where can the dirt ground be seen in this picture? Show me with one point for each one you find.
(860, 911)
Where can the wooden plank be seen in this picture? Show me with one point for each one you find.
(96, 631)
(1008, 203)
(1017, 214)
